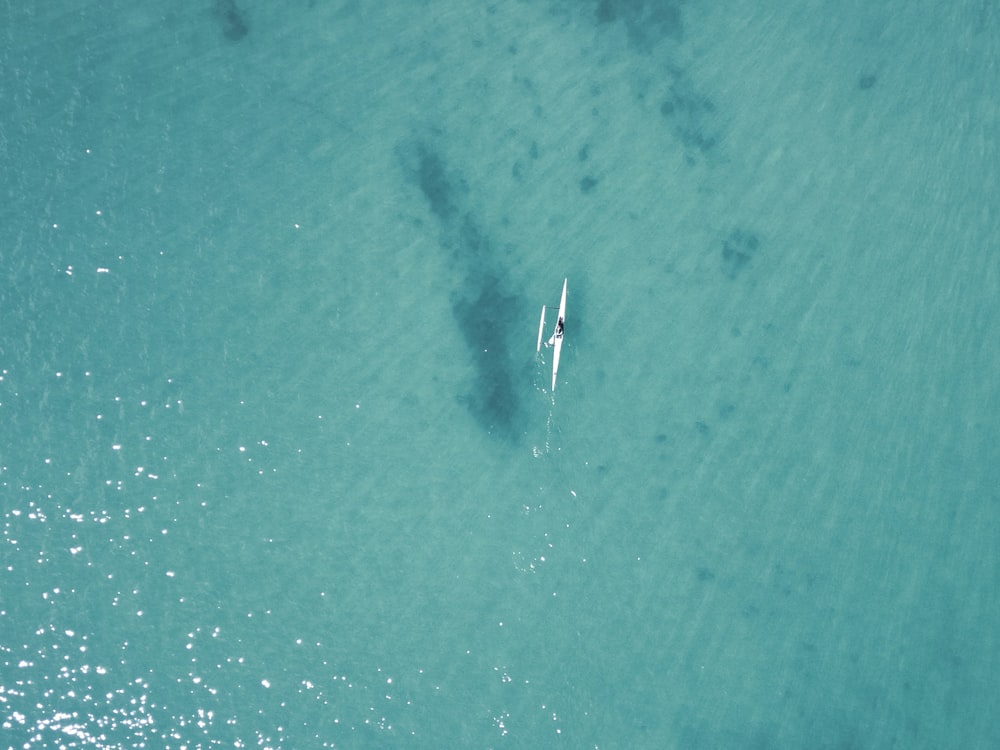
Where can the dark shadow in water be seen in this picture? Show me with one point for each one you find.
(737, 251)
(646, 21)
(484, 310)
(234, 24)
(434, 184)
(484, 320)
(690, 115)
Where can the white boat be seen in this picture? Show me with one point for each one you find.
(556, 340)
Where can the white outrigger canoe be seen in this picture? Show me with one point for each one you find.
(556, 340)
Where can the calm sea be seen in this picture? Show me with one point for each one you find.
(279, 467)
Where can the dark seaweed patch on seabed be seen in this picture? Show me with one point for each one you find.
(434, 184)
(482, 307)
(234, 25)
(484, 322)
(690, 115)
(646, 21)
(738, 249)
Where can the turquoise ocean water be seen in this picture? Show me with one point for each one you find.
(280, 467)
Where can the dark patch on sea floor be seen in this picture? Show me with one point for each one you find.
(704, 574)
(518, 169)
(738, 249)
(647, 22)
(691, 117)
(232, 19)
(434, 184)
(484, 318)
(483, 307)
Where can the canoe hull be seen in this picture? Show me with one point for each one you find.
(557, 335)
